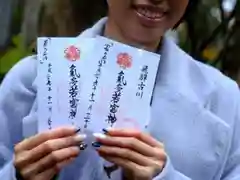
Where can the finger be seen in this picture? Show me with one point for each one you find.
(137, 171)
(124, 153)
(47, 147)
(126, 142)
(51, 160)
(48, 174)
(64, 163)
(38, 139)
(144, 137)
(124, 163)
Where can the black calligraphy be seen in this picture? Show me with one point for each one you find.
(142, 81)
(97, 75)
(44, 59)
(49, 97)
(73, 92)
(45, 51)
(114, 104)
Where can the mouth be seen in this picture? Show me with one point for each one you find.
(150, 15)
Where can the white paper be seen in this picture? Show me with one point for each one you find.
(111, 79)
(133, 111)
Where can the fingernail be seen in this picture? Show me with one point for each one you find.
(105, 131)
(96, 144)
(80, 137)
(99, 135)
(83, 146)
(78, 130)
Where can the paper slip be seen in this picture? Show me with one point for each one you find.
(59, 80)
(95, 83)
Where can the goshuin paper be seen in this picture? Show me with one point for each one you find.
(93, 83)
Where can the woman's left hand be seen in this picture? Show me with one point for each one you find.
(138, 154)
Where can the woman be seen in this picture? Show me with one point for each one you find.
(195, 114)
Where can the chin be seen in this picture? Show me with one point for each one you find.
(143, 32)
(143, 35)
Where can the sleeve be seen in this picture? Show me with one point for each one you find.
(16, 99)
(169, 173)
(232, 168)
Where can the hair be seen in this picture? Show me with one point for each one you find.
(192, 5)
(86, 13)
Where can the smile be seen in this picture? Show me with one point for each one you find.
(149, 15)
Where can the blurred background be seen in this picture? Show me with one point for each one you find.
(211, 33)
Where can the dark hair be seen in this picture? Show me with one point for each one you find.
(192, 5)
(86, 13)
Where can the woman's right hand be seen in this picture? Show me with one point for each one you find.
(42, 156)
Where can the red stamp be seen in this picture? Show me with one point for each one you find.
(124, 60)
(72, 53)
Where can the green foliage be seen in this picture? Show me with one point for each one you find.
(14, 52)
(12, 55)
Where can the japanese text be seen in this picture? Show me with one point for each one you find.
(73, 92)
(114, 104)
(97, 75)
(49, 98)
(142, 81)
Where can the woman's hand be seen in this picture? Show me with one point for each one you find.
(141, 156)
(42, 156)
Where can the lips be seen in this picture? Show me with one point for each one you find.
(150, 12)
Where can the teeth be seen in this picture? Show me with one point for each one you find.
(149, 14)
